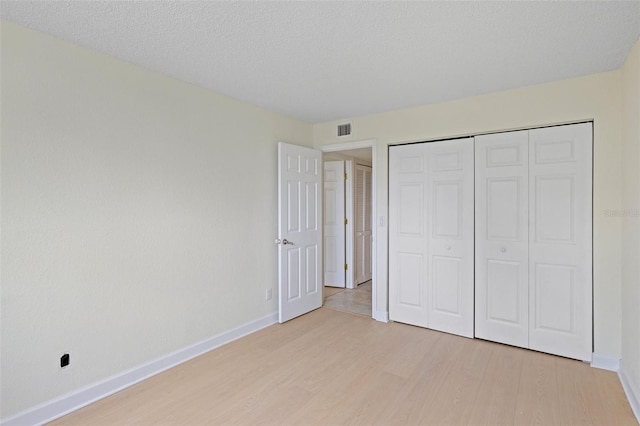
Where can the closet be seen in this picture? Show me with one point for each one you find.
(529, 237)
(362, 224)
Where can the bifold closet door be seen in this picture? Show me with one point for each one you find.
(502, 238)
(362, 224)
(534, 239)
(431, 235)
(560, 240)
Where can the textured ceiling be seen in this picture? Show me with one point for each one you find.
(319, 61)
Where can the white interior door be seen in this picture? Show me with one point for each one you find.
(299, 230)
(334, 224)
(363, 231)
(431, 235)
(450, 225)
(502, 246)
(560, 240)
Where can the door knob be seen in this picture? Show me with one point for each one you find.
(448, 247)
(503, 250)
(284, 241)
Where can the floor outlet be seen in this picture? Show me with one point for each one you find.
(268, 294)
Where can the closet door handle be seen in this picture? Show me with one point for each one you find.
(503, 249)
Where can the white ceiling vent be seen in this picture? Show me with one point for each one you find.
(344, 129)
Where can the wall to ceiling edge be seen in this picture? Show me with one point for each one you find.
(594, 97)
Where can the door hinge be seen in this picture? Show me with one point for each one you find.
(345, 176)
(346, 266)
(346, 221)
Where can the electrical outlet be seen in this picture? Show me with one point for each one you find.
(268, 294)
(64, 360)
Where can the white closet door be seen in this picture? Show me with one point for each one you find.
(501, 238)
(560, 289)
(334, 226)
(450, 225)
(431, 235)
(363, 231)
(408, 234)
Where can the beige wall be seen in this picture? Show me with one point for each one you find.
(594, 97)
(631, 219)
(133, 221)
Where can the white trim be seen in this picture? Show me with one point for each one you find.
(72, 401)
(605, 362)
(382, 316)
(346, 146)
(631, 390)
(368, 143)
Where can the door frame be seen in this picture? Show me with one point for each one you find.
(367, 143)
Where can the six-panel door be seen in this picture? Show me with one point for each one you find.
(431, 235)
(533, 238)
(300, 230)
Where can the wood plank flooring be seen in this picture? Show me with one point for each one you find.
(333, 368)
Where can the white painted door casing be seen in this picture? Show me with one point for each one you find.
(334, 224)
(300, 225)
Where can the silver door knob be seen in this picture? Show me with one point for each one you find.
(448, 247)
(285, 242)
(503, 250)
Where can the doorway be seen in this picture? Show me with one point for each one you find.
(349, 224)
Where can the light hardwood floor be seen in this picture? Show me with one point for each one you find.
(333, 368)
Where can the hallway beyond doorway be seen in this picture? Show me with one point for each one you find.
(357, 301)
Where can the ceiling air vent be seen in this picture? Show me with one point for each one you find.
(344, 129)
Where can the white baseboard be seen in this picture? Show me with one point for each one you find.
(631, 390)
(382, 316)
(65, 404)
(605, 362)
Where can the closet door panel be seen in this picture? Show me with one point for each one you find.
(363, 231)
(501, 238)
(560, 289)
(450, 222)
(408, 243)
